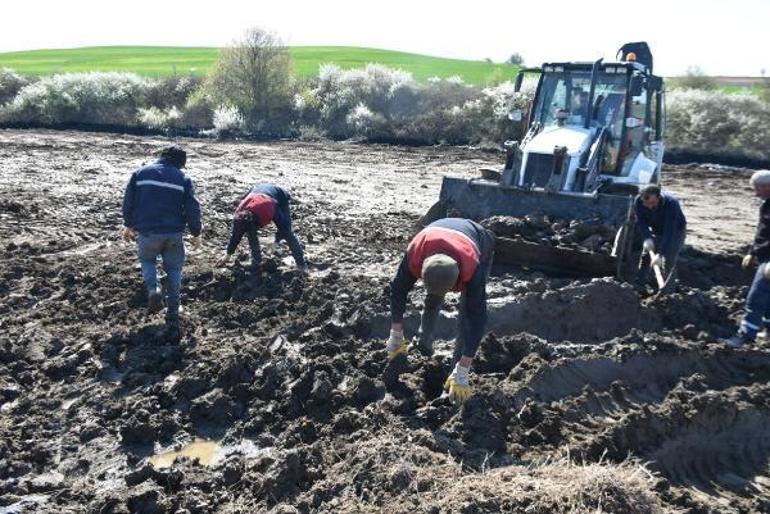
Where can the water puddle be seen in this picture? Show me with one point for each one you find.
(207, 453)
(204, 451)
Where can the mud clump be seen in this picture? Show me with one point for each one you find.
(592, 234)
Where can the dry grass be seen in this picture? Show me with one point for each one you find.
(399, 473)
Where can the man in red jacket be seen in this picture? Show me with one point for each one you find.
(451, 254)
(264, 204)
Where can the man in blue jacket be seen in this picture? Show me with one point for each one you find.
(661, 222)
(159, 202)
(758, 300)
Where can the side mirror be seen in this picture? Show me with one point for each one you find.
(517, 84)
(637, 84)
(516, 115)
(633, 122)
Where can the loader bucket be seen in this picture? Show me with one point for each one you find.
(478, 199)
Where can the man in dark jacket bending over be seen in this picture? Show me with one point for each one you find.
(758, 300)
(159, 201)
(263, 204)
(449, 254)
(661, 222)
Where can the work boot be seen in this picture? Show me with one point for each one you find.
(173, 330)
(155, 302)
(738, 340)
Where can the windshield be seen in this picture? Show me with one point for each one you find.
(563, 96)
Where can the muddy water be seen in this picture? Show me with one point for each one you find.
(91, 388)
(205, 452)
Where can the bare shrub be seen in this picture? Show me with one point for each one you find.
(254, 75)
(96, 97)
(157, 118)
(10, 84)
(695, 78)
(172, 91)
(717, 122)
(227, 118)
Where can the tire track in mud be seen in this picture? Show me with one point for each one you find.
(699, 415)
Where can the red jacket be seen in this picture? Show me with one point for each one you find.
(261, 205)
(449, 241)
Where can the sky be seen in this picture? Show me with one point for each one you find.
(721, 37)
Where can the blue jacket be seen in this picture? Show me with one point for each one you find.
(160, 199)
(664, 223)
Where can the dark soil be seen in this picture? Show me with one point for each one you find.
(588, 397)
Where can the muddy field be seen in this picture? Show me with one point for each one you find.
(588, 397)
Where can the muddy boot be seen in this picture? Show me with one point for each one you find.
(155, 302)
(173, 329)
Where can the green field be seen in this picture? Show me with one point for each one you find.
(158, 61)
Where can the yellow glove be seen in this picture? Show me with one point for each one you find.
(129, 234)
(396, 344)
(458, 384)
(658, 260)
(748, 261)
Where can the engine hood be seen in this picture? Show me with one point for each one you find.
(576, 139)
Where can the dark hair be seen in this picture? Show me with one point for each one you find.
(650, 189)
(244, 219)
(174, 155)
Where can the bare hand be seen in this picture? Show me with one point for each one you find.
(748, 261)
(129, 234)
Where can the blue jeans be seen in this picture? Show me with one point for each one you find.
(283, 224)
(757, 304)
(171, 248)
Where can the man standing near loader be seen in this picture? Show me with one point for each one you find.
(662, 224)
(449, 254)
(263, 204)
(158, 203)
(758, 300)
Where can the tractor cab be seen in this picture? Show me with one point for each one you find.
(603, 121)
(593, 135)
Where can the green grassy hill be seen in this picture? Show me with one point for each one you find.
(158, 61)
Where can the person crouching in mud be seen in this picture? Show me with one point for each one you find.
(451, 254)
(660, 220)
(263, 204)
